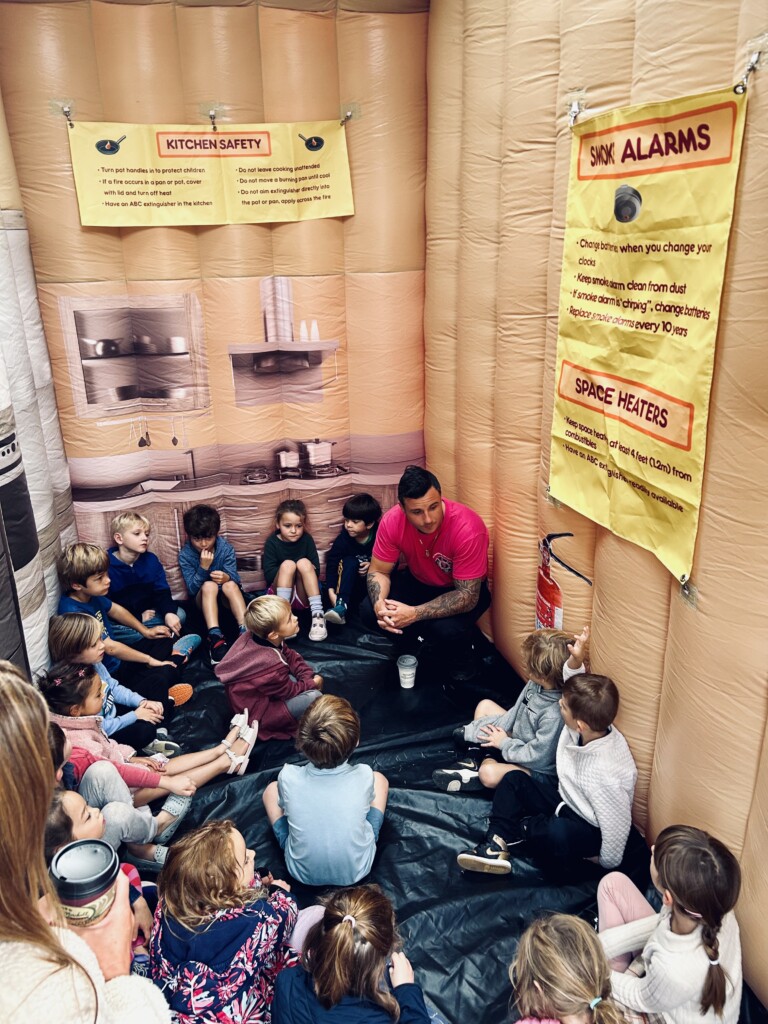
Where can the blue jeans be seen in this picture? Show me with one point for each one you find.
(126, 635)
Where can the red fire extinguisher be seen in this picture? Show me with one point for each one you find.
(549, 596)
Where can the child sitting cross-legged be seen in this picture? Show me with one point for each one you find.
(525, 737)
(220, 937)
(264, 677)
(138, 583)
(584, 813)
(327, 815)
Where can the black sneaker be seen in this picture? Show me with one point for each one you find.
(459, 778)
(491, 856)
(217, 648)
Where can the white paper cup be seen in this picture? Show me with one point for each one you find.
(406, 666)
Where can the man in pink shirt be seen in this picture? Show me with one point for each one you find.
(443, 589)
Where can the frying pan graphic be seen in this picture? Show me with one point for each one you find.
(314, 143)
(108, 146)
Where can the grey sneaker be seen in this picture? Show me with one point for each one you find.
(457, 779)
(491, 856)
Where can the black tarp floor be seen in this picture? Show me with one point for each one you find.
(460, 930)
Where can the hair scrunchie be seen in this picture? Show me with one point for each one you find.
(348, 917)
(595, 1001)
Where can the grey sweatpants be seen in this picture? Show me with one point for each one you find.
(102, 786)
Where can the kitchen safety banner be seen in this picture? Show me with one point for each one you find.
(139, 175)
(650, 203)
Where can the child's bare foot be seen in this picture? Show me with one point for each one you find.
(231, 737)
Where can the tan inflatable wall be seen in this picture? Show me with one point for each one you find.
(498, 76)
(692, 678)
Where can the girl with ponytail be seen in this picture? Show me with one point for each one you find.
(560, 974)
(690, 967)
(351, 973)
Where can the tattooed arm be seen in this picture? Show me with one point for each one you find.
(462, 598)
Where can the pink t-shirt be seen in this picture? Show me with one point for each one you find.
(459, 551)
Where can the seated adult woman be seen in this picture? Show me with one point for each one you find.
(52, 973)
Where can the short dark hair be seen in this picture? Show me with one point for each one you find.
(329, 730)
(202, 521)
(415, 482)
(592, 699)
(362, 506)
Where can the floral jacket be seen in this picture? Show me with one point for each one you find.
(224, 972)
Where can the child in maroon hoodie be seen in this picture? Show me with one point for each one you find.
(264, 677)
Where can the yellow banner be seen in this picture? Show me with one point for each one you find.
(650, 203)
(139, 175)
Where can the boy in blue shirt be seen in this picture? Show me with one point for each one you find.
(327, 815)
(149, 667)
(138, 583)
(209, 567)
(350, 556)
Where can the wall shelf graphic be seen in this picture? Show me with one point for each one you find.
(138, 353)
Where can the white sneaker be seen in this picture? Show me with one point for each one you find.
(318, 629)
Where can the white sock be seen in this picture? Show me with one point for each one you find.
(286, 592)
(316, 605)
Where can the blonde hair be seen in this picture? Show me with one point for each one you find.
(69, 635)
(264, 614)
(124, 520)
(545, 653)
(560, 969)
(329, 731)
(27, 780)
(201, 876)
(79, 561)
(347, 951)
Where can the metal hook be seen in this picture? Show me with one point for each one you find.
(752, 65)
(574, 109)
(347, 117)
(212, 115)
(67, 112)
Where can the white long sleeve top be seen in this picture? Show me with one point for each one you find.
(676, 967)
(35, 990)
(597, 780)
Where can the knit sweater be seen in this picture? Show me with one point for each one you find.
(38, 991)
(676, 967)
(597, 781)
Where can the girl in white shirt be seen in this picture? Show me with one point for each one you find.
(691, 952)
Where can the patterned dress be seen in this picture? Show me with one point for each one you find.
(225, 971)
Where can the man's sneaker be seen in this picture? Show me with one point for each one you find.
(217, 647)
(337, 614)
(457, 779)
(318, 629)
(490, 856)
